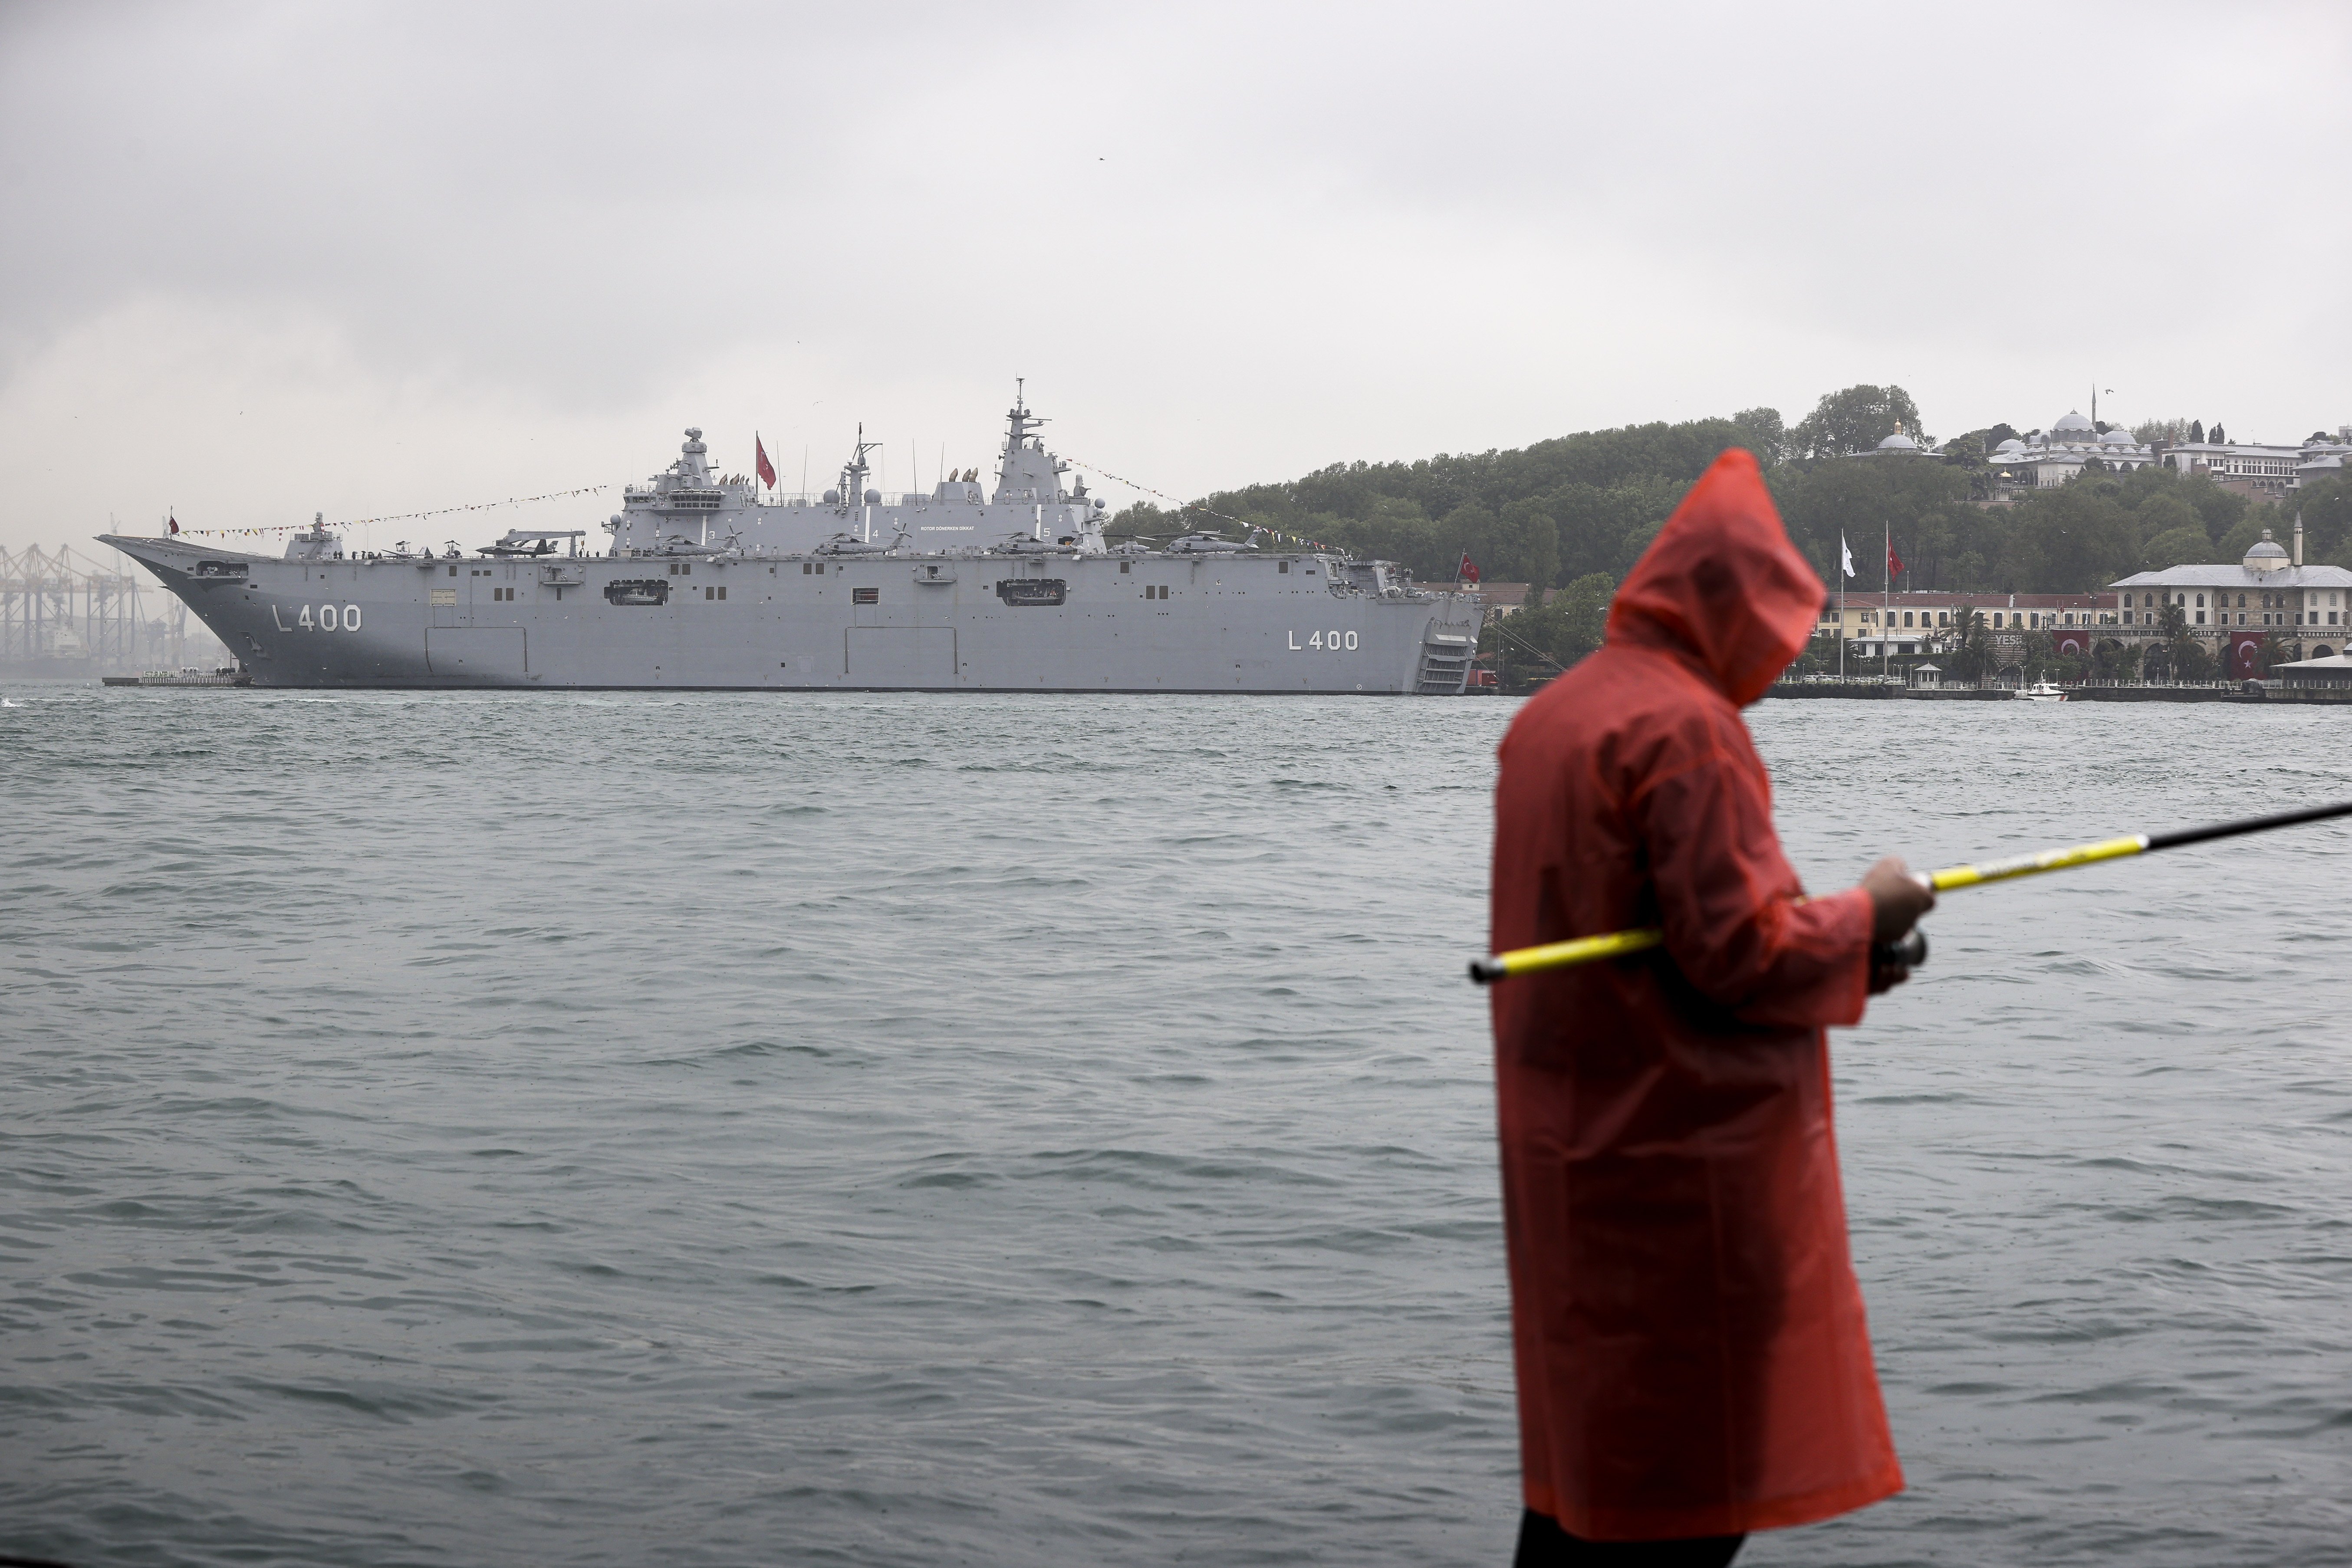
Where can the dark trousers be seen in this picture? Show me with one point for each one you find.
(1544, 1544)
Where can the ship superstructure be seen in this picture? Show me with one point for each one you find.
(1008, 584)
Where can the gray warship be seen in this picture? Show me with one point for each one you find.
(707, 583)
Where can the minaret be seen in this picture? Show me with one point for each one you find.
(2298, 538)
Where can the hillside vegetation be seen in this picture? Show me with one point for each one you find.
(1575, 512)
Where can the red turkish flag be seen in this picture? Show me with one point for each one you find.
(766, 470)
(1894, 561)
(1468, 571)
(2246, 654)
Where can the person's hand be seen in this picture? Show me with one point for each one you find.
(1897, 899)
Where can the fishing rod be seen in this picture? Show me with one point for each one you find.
(1913, 950)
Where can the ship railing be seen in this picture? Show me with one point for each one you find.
(816, 498)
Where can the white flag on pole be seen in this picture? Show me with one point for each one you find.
(1846, 551)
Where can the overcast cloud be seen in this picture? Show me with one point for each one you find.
(265, 260)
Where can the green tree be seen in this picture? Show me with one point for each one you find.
(1594, 519)
(1763, 434)
(2075, 539)
(2177, 655)
(1971, 658)
(1526, 543)
(2255, 522)
(1538, 644)
(1584, 612)
(2040, 657)
(1856, 420)
(2176, 547)
(1141, 520)
(2326, 509)
(1925, 503)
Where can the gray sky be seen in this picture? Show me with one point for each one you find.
(265, 260)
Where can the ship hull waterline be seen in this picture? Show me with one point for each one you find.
(1251, 623)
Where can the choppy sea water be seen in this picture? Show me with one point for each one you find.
(454, 1129)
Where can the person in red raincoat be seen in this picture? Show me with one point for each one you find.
(1688, 1336)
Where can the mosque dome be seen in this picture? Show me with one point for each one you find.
(2011, 445)
(2118, 438)
(1898, 442)
(2072, 423)
(2266, 556)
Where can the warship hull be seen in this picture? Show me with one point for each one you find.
(1259, 622)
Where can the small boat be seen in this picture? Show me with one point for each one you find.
(2043, 691)
(187, 675)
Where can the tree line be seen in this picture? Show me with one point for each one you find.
(1575, 512)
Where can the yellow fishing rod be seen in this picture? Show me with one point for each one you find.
(1617, 943)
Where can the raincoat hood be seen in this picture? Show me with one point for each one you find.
(1722, 583)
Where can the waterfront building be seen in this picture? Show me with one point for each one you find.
(2327, 671)
(2268, 599)
(1916, 622)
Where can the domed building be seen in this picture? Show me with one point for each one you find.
(2268, 600)
(2046, 459)
(1898, 445)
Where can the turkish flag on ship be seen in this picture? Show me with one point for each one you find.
(173, 521)
(766, 470)
(1468, 571)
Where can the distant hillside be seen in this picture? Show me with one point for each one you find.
(1586, 505)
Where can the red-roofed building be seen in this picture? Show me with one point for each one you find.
(1917, 623)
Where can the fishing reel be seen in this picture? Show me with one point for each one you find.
(1908, 954)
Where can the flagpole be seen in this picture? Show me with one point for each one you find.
(1886, 608)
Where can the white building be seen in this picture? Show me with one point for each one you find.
(2267, 468)
(2271, 469)
(1898, 445)
(2270, 596)
(2044, 460)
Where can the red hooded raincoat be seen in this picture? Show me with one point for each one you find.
(1691, 1352)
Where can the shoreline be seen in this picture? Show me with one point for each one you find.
(1856, 690)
